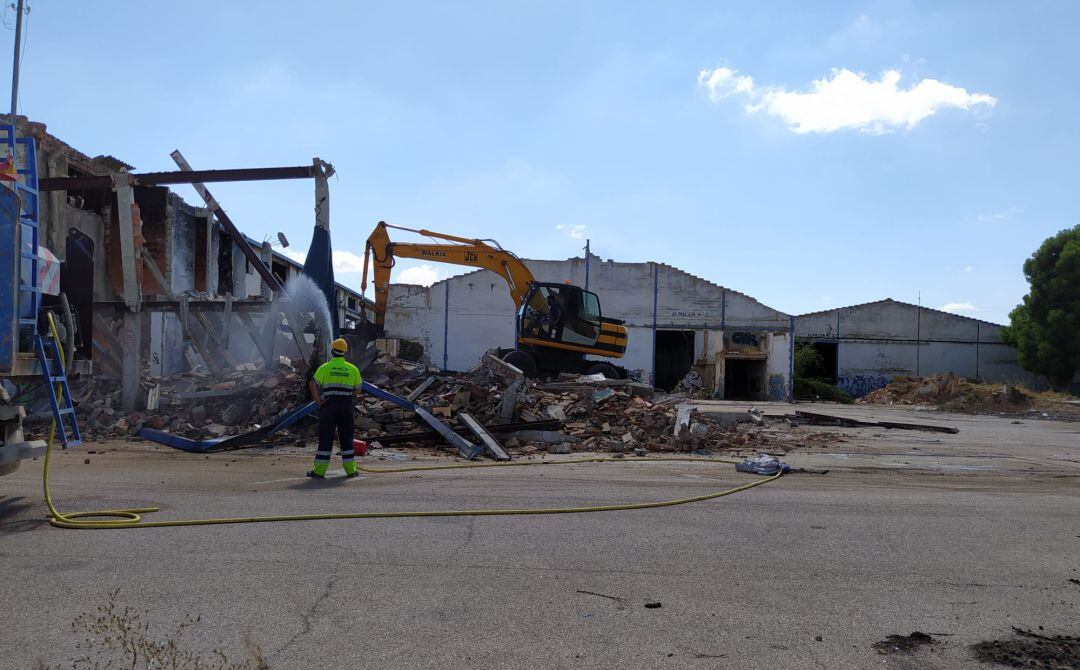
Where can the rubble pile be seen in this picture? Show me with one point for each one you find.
(572, 413)
(191, 405)
(595, 414)
(949, 392)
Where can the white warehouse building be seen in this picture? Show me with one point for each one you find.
(676, 322)
(867, 345)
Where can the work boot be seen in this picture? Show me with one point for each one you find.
(351, 475)
(316, 475)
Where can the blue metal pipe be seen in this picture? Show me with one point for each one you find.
(446, 327)
(791, 359)
(655, 293)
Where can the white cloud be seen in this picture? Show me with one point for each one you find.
(420, 275)
(998, 216)
(957, 307)
(845, 100)
(576, 231)
(722, 82)
(968, 268)
(294, 254)
(345, 262)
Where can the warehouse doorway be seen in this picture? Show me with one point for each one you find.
(744, 379)
(674, 356)
(828, 352)
(77, 277)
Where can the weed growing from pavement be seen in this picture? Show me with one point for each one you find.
(118, 636)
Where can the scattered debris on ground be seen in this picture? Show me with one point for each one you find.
(190, 405)
(950, 393)
(903, 644)
(571, 413)
(1028, 649)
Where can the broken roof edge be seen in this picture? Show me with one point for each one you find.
(890, 301)
(49, 143)
(721, 287)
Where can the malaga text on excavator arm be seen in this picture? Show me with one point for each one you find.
(557, 324)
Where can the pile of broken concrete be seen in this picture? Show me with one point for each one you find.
(197, 406)
(571, 413)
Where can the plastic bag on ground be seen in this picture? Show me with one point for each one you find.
(762, 464)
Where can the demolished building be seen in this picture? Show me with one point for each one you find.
(157, 285)
(677, 323)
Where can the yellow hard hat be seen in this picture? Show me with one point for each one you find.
(339, 345)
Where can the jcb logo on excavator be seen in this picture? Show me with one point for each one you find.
(471, 257)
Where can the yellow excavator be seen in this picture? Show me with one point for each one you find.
(557, 325)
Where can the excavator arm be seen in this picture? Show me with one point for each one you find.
(561, 325)
(380, 254)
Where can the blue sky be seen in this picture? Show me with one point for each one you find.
(810, 154)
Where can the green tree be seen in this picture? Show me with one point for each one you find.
(1045, 327)
(809, 364)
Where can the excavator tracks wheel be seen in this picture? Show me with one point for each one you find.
(522, 360)
(606, 369)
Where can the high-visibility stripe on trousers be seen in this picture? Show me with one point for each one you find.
(336, 416)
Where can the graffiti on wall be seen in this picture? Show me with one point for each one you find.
(747, 339)
(746, 343)
(860, 385)
(777, 387)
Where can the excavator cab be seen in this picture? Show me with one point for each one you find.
(561, 313)
(558, 325)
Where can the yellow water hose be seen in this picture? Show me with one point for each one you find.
(132, 518)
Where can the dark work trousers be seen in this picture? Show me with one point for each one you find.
(336, 415)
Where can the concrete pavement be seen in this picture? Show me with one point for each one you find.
(746, 581)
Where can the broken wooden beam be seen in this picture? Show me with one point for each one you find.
(845, 422)
(176, 177)
(494, 449)
(420, 389)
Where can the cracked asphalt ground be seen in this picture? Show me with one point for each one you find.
(806, 572)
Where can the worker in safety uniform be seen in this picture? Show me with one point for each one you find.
(334, 385)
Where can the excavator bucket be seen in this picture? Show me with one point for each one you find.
(361, 341)
(362, 335)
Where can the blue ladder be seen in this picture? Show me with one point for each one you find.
(52, 369)
(23, 152)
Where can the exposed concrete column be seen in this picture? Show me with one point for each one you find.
(131, 332)
(131, 342)
(267, 255)
(56, 165)
(322, 171)
(126, 213)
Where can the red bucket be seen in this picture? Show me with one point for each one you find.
(360, 447)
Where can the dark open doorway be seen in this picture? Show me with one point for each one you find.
(828, 353)
(674, 357)
(77, 278)
(225, 264)
(744, 379)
